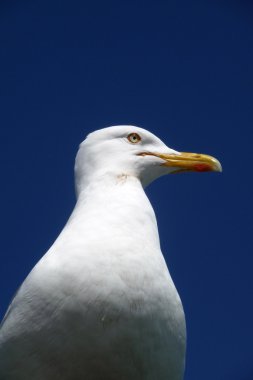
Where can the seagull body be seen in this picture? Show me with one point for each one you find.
(101, 304)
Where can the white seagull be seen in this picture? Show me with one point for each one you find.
(101, 304)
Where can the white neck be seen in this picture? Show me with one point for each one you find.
(116, 204)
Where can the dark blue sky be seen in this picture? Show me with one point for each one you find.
(181, 69)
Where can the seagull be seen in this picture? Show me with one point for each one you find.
(101, 304)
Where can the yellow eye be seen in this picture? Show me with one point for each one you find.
(134, 138)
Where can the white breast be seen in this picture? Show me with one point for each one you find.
(101, 303)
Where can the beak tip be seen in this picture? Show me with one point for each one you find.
(218, 167)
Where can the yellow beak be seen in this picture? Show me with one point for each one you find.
(184, 162)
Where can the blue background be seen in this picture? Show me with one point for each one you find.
(181, 69)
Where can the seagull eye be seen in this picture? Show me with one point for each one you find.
(134, 138)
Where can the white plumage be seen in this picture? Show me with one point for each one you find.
(100, 304)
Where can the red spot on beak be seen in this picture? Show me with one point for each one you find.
(202, 168)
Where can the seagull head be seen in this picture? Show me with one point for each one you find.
(128, 151)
